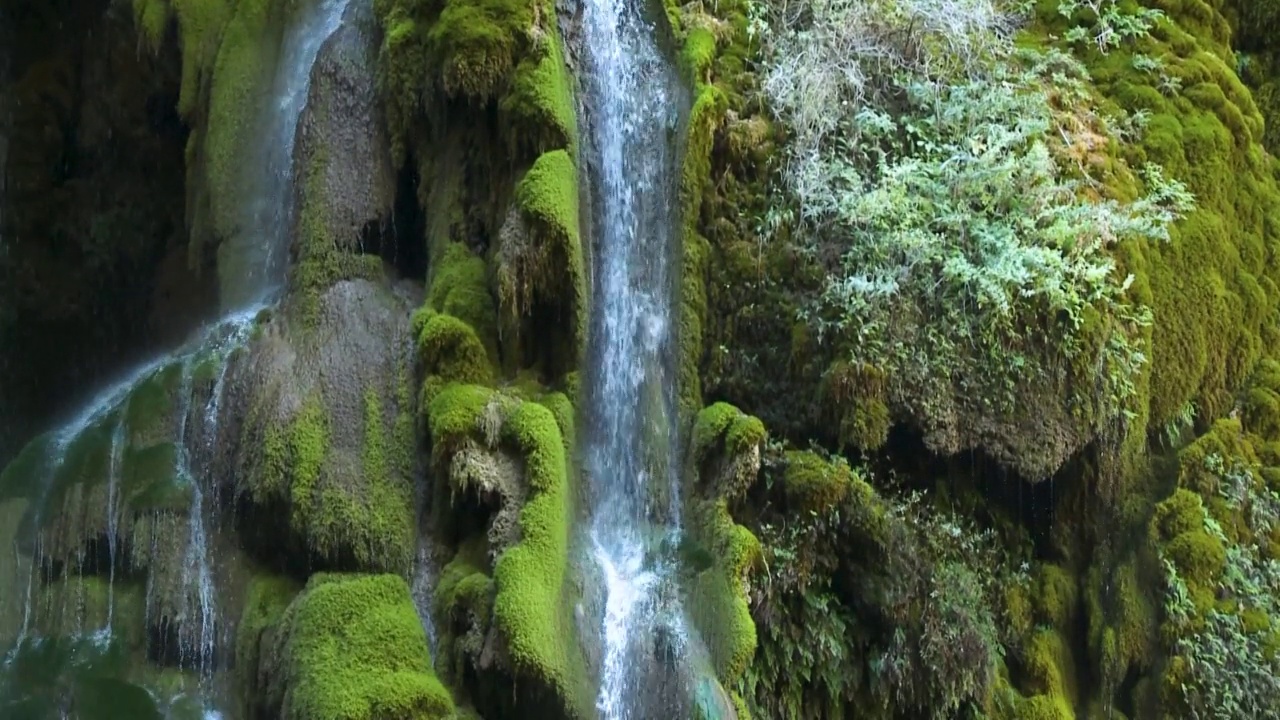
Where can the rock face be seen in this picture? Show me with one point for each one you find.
(343, 148)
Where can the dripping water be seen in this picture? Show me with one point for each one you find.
(113, 516)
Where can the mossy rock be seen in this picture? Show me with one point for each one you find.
(351, 647)
(150, 413)
(1212, 290)
(725, 443)
(27, 473)
(815, 485)
(267, 599)
(324, 465)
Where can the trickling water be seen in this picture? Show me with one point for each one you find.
(631, 397)
(113, 515)
(423, 590)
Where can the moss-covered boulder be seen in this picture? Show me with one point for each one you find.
(348, 647)
(324, 463)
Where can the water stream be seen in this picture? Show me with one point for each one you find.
(634, 98)
(253, 265)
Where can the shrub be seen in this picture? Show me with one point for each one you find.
(954, 183)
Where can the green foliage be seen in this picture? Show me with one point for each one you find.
(1216, 539)
(887, 605)
(1034, 313)
(351, 647)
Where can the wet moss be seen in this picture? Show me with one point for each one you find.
(726, 441)
(709, 107)
(351, 647)
(266, 600)
(463, 604)
(719, 606)
(474, 45)
(29, 471)
(547, 267)
(149, 479)
(150, 411)
(323, 260)
(1056, 597)
(530, 576)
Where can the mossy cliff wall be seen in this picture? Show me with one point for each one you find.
(1095, 594)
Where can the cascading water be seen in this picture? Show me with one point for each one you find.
(634, 97)
(253, 267)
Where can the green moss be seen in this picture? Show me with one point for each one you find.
(705, 116)
(239, 81)
(150, 479)
(539, 107)
(474, 44)
(548, 265)
(352, 648)
(453, 417)
(323, 260)
(697, 54)
(152, 18)
(1212, 289)
(460, 288)
(1049, 665)
(463, 601)
(719, 603)
(149, 411)
(528, 608)
(814, 485)
(719, 599)
(27, 473)
(200, 27)
(723, 422)
(266, 600)
(1056, 597)
(363, 518)
(86, 461)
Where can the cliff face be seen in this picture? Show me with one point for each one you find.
(977, 361)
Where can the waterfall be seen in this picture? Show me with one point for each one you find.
(257, 258)
(258, 254)
(634, 97)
